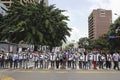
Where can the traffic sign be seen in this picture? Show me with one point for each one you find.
(112, 37)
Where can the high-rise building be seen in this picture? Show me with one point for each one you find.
(99, 22)
(45, 1)
(3, 9)
(9, 2)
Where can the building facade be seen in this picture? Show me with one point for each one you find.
(3, 9)
(99, 22)
(9, 2)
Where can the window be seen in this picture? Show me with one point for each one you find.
(102, 13)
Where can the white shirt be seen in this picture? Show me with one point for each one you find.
(70, 57)
(109, 57)
(1, 55)
(36, 57)
(116, 57)
(20, 56)
(85, 57)
(90, 56)
(6, 56)
(98, 56)
(52, 57)
(94, 57)
(15, 56)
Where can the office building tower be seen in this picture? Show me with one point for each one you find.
(99, 22)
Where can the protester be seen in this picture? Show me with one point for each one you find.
(59, 60)
(116, 58)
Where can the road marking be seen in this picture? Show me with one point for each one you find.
(61, 72)
(3, 70)
(6, 78)
(70, 71)
(97, 72)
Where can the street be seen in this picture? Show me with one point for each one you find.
(38, 74)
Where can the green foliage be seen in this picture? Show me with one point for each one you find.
(71, 45)
(35, 24)
(84, 43)
(114, 43)
(101, 43)
(104, 43)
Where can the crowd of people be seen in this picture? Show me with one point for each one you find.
(59, 60)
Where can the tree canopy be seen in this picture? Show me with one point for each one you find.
(34, 24)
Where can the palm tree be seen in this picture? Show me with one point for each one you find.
(35, 24)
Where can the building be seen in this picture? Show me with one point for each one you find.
(99, 22)
(9, 2)
(8, 47)
(3, 9)
(45, 1)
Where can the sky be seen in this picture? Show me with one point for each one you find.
(79, 10)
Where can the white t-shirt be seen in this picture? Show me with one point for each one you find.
(116, 57)
(85, 57)
(90, 56)
(52, 57)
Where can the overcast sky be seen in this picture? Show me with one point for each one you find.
(79, 10)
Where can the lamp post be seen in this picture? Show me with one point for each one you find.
(117, 14)
(117, 30)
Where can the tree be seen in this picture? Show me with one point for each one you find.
(69, 46)
(115, 42)
(35, 24)
(101, 43)
(84, 43)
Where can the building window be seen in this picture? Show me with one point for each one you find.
(7, 4)
(102, 13)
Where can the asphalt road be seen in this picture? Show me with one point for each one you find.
(59, 75)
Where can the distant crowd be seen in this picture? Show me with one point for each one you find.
(59, 60)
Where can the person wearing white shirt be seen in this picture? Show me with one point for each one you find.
(10, 56)
(31, 57)
(57, 60)
(52, 59)
(85, 60)
(25, 59)
(75, 59)
(36, 58)
(90, 60)
(15, 59)
(1, 58)
(80, 59)
(108, 60)
(95, 60)
(116, 58)
(20, 56)
(6, 60)
(41, 59)
(70, 58)
(46, 59)
(101, 60)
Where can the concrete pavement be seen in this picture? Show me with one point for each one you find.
(38, 74)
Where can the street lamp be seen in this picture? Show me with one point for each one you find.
(118, 26)
(117, 29)
(116, 14)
